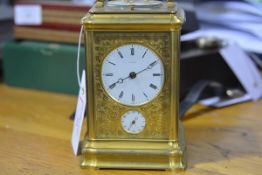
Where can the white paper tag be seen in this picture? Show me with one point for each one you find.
(28, 15)
(79, 114)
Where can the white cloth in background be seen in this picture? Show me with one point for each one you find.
(233, 21)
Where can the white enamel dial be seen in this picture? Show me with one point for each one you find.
(132, 74)
(133, 122)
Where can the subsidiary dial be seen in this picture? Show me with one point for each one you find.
(133, 122)
(132, 74)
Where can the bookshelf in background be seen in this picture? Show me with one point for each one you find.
(61, 21)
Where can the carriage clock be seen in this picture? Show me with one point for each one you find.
(132, 57)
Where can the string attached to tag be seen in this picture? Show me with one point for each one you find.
(78, 56)
(79, 115)
(77, 64)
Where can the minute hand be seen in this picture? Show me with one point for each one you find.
(148, 67)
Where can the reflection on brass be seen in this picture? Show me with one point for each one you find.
(161, 144)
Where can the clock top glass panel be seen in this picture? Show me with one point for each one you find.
(134, 6)
(132, 74)
(144, 4)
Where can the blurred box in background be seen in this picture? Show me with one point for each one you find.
(43, 66)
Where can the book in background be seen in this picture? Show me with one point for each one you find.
(43, 54)
(42, 65)
(6, 26)
(54, 21)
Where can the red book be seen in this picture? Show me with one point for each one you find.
(63, 16)
(57, 5)
(55, 26)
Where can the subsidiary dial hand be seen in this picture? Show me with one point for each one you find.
(132, 123)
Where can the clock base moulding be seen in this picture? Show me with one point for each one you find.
(130, 154)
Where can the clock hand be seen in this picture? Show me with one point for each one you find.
(124, 78)
(120, 81)
(132, 75)
(148, 67)
(131, 124)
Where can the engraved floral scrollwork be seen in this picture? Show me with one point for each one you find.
(108, 112)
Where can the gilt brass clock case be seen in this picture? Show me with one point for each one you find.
(160, 145)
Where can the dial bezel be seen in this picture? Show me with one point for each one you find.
(126, 130)
(116, 100)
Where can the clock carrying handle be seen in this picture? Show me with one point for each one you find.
(196, 93)
(101, 3)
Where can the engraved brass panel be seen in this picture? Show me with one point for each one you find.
(108, 112)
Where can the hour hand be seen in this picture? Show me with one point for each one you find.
(119, 81)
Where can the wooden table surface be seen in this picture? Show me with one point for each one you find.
(35, 133)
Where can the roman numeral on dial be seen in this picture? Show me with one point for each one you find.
(112, 63)
(132, 51)
(120, 54)
(109, 74)
(133, 98)
(145, 53)
(121, 94)
(112, 86)
(145, 95)
(153, 86)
